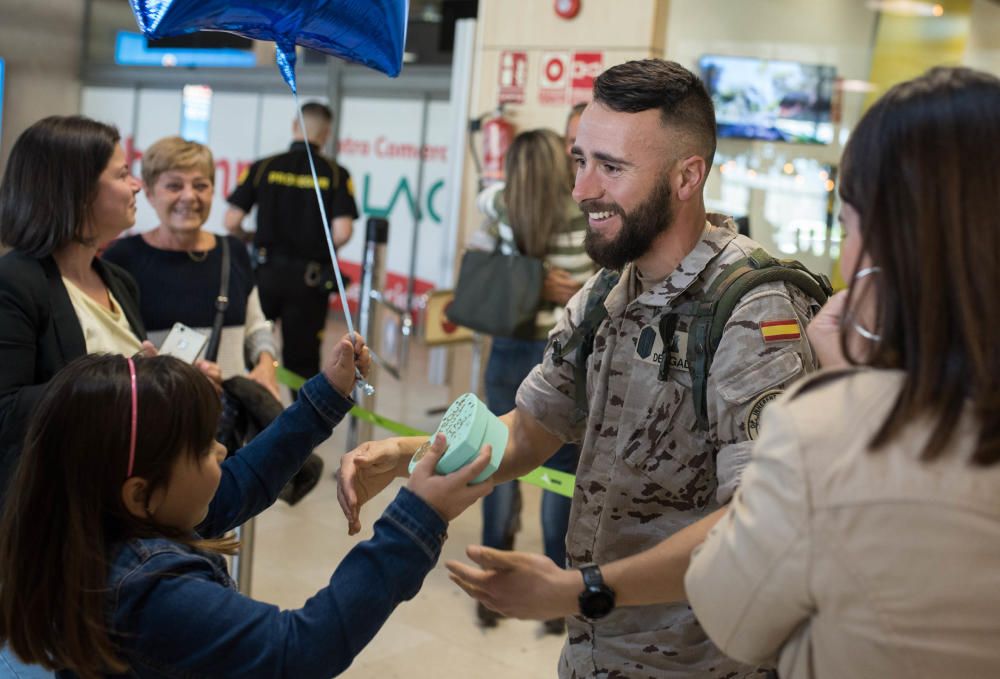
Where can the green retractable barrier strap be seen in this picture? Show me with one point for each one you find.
(551, 480)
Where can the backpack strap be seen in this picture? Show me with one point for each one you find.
(712, 313)
(709, 317)
(582, 339)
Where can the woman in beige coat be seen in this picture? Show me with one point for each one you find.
(865, 538)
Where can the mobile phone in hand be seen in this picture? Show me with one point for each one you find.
(184, 343)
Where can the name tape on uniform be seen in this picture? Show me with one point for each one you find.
(649, 348)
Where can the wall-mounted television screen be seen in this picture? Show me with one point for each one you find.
(770, 99)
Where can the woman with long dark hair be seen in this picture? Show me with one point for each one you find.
(67, 190)
(535, 215)
(865, 538)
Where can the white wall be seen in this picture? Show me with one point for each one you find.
(379, 147)
(984, 37)
(40, 41)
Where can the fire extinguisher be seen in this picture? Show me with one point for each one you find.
(498, 133)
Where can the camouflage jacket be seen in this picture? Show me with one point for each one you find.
(646, 469)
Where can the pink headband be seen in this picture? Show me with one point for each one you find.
(135, 414)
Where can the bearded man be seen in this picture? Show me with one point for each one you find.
(650, 467)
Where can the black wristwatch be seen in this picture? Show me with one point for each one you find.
(596, 599)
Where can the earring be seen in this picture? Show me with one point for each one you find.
(867, 271)
(858, 328)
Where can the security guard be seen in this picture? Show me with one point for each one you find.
(662, 444)
(294, 273)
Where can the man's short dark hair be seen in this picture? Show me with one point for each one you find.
(314, 108)
(680, 96)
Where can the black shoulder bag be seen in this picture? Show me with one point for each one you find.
(498, 294)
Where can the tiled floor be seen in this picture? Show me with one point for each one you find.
(434, 635)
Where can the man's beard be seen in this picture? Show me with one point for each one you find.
(639, 228)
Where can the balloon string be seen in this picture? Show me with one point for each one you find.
(367, 388)
(326, 222)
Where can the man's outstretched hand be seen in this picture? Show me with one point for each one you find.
(518, 584)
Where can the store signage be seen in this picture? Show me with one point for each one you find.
(513, 76)
(131, 49)
(553, 78)
(196, 112)
(585, 69)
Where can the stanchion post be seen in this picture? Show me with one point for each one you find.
(372, 278)
(243, 561)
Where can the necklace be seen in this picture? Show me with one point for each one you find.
(157, 238)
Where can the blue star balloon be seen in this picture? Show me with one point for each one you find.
(370, 32)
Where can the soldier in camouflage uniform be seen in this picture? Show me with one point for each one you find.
(647, 468)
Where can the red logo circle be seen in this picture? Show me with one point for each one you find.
(554, 69)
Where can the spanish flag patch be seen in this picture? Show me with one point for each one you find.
(780, 331)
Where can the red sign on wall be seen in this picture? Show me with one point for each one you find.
(513, 76)
(553, 78)
(585, 69)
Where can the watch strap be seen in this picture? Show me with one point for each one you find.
(592, 577)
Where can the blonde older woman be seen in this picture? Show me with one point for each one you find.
(178, 265)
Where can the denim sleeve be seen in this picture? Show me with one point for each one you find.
(174, 619)
(253, 477)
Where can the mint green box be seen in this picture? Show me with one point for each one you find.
(468, 425)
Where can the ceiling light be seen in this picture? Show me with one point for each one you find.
(906, 7)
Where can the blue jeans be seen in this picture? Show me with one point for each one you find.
(510, 362)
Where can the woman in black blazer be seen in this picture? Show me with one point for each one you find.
(66, 190)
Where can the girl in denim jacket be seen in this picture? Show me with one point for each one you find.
(112, 537)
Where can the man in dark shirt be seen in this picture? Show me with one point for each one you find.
(294, 272)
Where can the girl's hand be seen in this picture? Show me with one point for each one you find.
(345, 359)
(148, 349)
(449, 495)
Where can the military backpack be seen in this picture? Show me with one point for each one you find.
(709, 317)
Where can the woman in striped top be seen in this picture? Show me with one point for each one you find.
(533, 214)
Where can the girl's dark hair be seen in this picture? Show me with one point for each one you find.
(64, 512)
(921, 170)
(51, 182)
(539, 186)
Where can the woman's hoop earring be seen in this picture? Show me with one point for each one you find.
(867, 334)
(858, 328)
(865, 272)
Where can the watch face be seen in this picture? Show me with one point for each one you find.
(596, 603)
